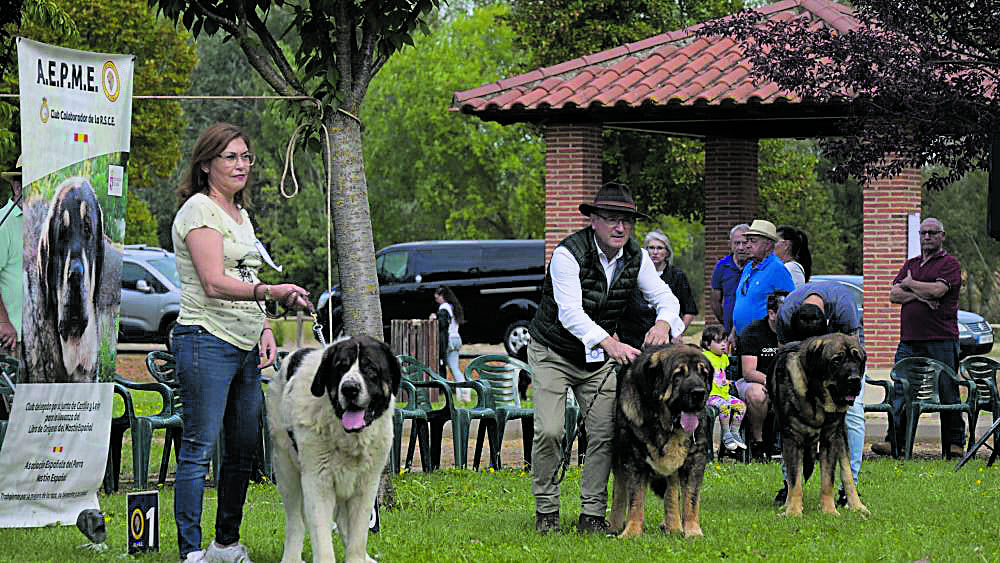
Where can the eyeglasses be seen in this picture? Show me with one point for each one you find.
(230, 158)
(930, 233)
(616, 219)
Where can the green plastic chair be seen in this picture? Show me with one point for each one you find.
(918, 378)
(461, 419)
(502, 373)
(418, 427)
(983, 371)
(885, 406)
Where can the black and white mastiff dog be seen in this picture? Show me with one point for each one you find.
(330, 413)
(661, 439)
(814, 383)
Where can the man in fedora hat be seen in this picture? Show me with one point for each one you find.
(764, 274)
(11, 251)
(591, 277)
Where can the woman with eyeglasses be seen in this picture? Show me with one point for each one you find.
(640, 315)
(222, 338)
(793, 249)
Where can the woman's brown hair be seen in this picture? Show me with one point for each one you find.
(449, 297)
(209, 145)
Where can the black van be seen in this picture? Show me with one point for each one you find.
(498, 282)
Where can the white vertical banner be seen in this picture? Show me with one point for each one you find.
(52, 465)
(76, 119)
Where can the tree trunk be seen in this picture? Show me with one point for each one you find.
(352, 232)
(352, 229)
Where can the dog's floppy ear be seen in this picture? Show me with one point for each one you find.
(337, 359)
(661, 365)
(45, 241)
(813, 349)
(392, 364)
(857, 352)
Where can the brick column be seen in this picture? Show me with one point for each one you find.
(887, 203)
(730, 199)
(572, 177)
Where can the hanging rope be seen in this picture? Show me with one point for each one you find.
(289, 169)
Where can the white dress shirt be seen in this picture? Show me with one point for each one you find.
(565, 272)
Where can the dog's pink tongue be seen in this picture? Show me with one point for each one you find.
(850, 398)
(689, 421)
(353, 420)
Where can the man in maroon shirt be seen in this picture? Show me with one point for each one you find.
(928, 287)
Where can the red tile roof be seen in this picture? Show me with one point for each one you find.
(666, 71)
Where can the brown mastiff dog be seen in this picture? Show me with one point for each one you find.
(814, 383)
(661, 439)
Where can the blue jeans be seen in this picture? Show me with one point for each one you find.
(220, 386)
(454, 347)
(946, 352)
(854, 422)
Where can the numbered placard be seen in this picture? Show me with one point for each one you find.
(143, 522)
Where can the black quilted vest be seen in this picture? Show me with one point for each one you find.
(603, 306)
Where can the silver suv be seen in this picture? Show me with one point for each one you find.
(151, 295)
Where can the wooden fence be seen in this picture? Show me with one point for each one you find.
(417, 338)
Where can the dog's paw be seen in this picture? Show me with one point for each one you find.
(630, 532)
(860, 509)
(674, 529)
(790, 512)
(693, 532)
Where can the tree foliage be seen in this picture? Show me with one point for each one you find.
(451, 176)
(922, 75)
(555, 31)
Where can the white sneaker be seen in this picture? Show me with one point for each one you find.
(730, 441)
(232, 554)
(195, 556)
(739, 441)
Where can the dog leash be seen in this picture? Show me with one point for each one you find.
(317, 327)
(568, 450)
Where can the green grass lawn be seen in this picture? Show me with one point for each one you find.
(919, 511)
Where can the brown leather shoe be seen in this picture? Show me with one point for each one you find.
(882, 448)
(546, 523)
(592, 525)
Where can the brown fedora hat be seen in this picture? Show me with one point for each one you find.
(613, 197)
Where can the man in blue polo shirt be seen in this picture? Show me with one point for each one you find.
(726, 276)
(762, 276)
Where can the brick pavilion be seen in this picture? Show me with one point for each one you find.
(680, 84)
